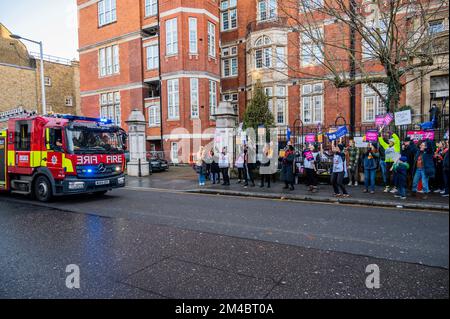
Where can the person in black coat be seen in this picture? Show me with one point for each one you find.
(409, 150)
(446, 169)
(287, 168)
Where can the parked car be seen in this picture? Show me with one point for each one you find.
(157, 161)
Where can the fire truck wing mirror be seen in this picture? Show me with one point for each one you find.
(124, 137)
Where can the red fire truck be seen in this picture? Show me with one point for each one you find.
(46, 156)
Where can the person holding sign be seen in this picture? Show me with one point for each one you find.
(423, 168)
(311, 158)
(391, 154)
(287, 168)
(339, 171)
(370, 164)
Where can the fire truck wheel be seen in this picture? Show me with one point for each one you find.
(42, 189)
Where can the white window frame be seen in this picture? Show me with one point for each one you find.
(311, 95)
(47, 81)
(378, 108)
(267, 10)
(174, 152)
(310, 5)
(211, 39)
(193, 35)
(311, 49)
(107, 12)
(172, 36)
(154, 116)
(230, 62)
(110, 107)
(152, 52)
(173, 99)
(229, 15)
(195, 107)
(68, 101)
(151, 8)
(212, 98)
(108, 61)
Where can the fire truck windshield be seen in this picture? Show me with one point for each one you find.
(94, 140)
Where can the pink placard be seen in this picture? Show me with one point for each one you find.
(371, 136)
(417, 136)
(388, 118)
(379, 120)
(310, 138)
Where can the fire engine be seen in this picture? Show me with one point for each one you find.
(54, 155)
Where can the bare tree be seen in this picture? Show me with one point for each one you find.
(384, 41)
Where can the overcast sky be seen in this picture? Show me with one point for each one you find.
(54, 22)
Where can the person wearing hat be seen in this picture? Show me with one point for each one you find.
(391, 153)
(339, 171)
(401, 168)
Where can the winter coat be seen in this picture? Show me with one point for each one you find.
(401, 171)
(427, 159)
(410, 152)
(215, 166)
(390, 151)
(287, 167)
(446, 162)
(371, 163)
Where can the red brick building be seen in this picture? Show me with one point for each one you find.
(177, 59)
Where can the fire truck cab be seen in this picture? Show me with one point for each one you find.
(46, 156)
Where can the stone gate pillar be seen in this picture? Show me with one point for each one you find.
(138, 165)
(226, 124)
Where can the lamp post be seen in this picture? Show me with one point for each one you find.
(44, 104)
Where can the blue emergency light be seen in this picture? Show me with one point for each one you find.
(88, 119)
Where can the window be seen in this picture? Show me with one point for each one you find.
(229, 14)
(312, 103)
(306, 5)
(106, 12)
(211, 39)
(173, 99)
(229, 62)
(22, 136)
(233, 98)
(277, 103)
(171, 37)
(68, 101)
(154, 116)
(151, 8)
(109, 60)
(372, 103)
(267, 9)
(110, 107)
(263, 56)
(194, 99)
(212, 98)
(311, 48)
(281, 58)
(377, 31)
(193, 42)
(174, 152)
(47, 81)
(152, 57)
(435, 27)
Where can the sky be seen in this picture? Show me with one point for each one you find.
(54, 22)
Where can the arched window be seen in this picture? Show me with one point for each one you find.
(263, 52)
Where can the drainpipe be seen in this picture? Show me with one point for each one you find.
(160, 83)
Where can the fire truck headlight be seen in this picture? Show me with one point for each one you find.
(76, 185)
(121, 180)
(118, 169)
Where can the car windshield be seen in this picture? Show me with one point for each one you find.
(94, 140)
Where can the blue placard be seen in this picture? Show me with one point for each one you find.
(340, 132)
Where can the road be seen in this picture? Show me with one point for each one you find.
(166, 244)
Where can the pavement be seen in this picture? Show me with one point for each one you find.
(183, 178)
(130, 253)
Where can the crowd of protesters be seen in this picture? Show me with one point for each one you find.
(404, 167)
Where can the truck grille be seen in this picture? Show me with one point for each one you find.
(99, 171)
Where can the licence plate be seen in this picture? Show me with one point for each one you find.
(99, 183)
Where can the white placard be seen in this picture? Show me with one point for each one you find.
(359, 142)
(403, 118)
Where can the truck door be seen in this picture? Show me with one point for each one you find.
(3, 152)
(55, 148)
(22, 144)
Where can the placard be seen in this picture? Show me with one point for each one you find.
(372, 136)
(417, 136)
(379, 120)
(403, 118)
(310, 138)
(359, 142)
(340, 132)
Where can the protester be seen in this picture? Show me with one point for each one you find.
(224, 165)
(200, 166)
(339, 171)
(311, 159)
(409, 150)
(446, 169)
(239, 164)
(423, 167)
(437, 184)
(214, 168)
(391, 154)
(267, 156)
(401, 168)
(287, 168)
(248, 168)
(370, 163)
(352, 161)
